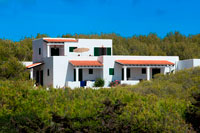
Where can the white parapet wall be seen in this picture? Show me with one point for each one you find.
(184, 64)
(73, 84)
(130, 82)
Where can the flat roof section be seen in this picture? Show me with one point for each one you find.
(60, 40)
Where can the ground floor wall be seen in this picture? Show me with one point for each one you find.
(109, 64)
(57, 71)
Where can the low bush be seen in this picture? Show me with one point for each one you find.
(114, 83)
(99, 83)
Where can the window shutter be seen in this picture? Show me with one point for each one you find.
(108, 51)
(71, 49)
(96, 51)
(111, 71)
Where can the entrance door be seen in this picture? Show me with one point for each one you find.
(80, 74)
(128, 73)
(155, 71)
(41, 77)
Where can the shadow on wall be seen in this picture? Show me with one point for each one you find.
(69, 74)
(117, 72)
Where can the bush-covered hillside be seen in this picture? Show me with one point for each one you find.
(165, 104)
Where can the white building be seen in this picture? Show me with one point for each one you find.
(69, 62)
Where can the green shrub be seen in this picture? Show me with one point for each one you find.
(160, 105)
(99, 83)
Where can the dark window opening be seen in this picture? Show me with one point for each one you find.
(102, 51)
(71, 49)
(39, 51)
(144, 70)
(47, 72)
(90, 71)
(155, 71)
(55, 52)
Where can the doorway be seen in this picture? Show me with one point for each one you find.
(80, 74)
(41, 77)
(155, 71)
(128, 73)
(37, 77)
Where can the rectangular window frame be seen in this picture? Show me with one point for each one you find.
(90, 71)
(144, 71)
(48, 72)
(39, 51)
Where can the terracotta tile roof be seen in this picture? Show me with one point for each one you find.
(144, 62)
(60, 40)
(85, 63)
(33, 65)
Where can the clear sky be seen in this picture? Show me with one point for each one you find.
(20, 18)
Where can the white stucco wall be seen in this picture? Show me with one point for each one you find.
(184, 64)
(39, 43)
(26, 63)
(87, 43)
(48, 64)
(63, 71)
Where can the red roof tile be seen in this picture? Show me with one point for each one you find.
(144, 62)
(85, 63)
(60, 40)
(33, 65)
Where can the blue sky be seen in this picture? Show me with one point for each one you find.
(20, 18)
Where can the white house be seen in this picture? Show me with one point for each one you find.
(70, 62)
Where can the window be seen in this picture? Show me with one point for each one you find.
(98, 51)
(71, 49)
(144, 71)
(39, 51)
(90, 71)
(47, 72)
(55, 52)
(111, 71)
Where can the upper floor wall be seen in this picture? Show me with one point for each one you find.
(47, 47)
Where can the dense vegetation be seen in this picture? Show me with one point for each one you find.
(173, 44)
(165, 104)
(169, 103)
